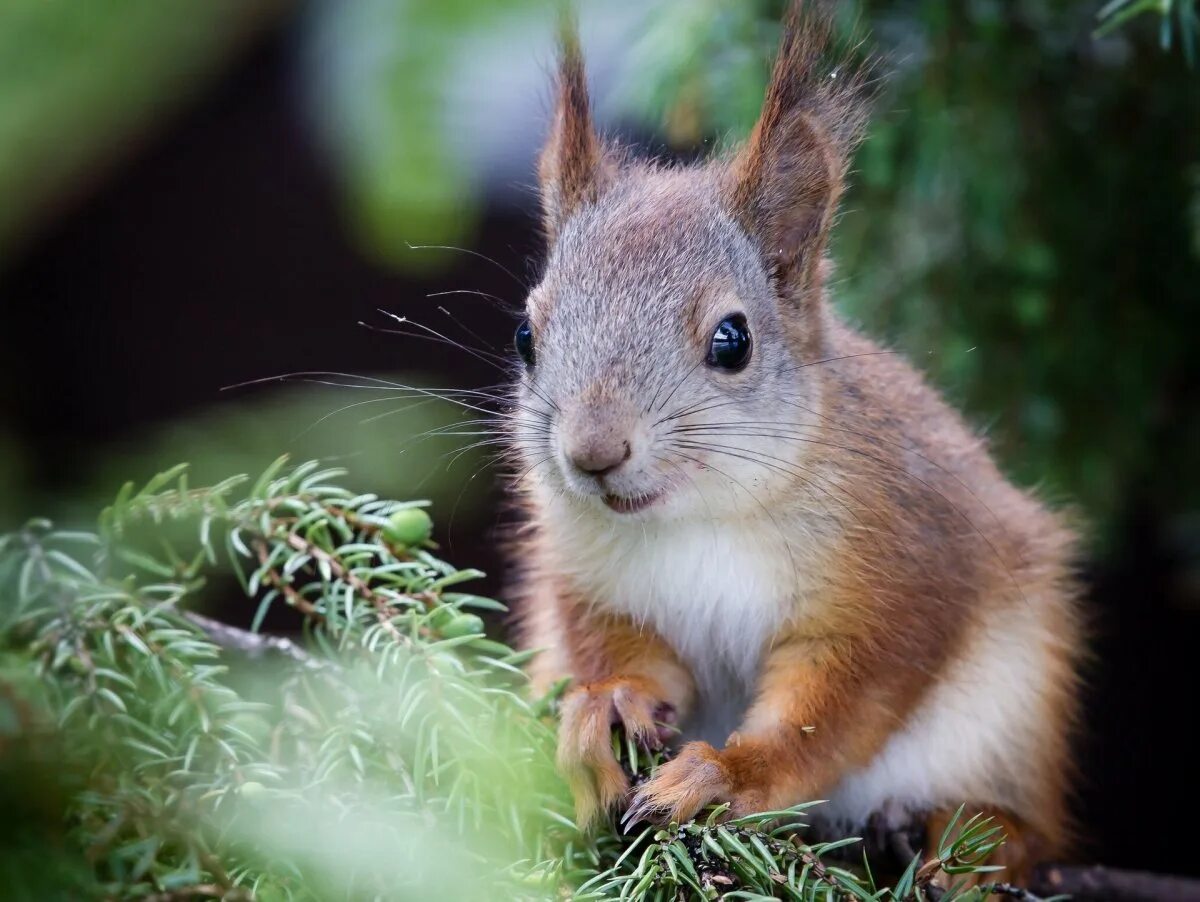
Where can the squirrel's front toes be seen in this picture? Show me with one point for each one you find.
(585, 757)
(696, 777)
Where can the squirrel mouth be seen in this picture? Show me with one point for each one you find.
(624, 505)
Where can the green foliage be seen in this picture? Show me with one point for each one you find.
(79, 80)
(400, 161)
(1176, 17)
(379, 415)
(147, 752)
(401, 726)
(761, 857)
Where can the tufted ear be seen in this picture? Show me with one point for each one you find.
(574, 166)
(784, 185)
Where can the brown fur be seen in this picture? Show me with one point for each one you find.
(785, 184)
(573, 168)
(919, 546)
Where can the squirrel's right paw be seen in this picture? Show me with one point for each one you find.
(585, 755)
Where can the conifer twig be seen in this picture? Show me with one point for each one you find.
(252, 645)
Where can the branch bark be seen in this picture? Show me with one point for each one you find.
(1096, 883)
(252, 645)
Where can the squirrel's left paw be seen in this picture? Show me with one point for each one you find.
(699, 775)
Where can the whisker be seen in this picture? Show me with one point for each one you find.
(499, 362)
(282, 377)
(682, 471)
(696, 409)
(378, 385)
(528, 382)
(658, 387)
(504, 305)
(333, 413)
(445, 394)
(755, 499)
(781, 466)
(801, 366)
(473, 253)
(388, 413)
(925, 483)
(909, 447)
(471, 447)
(524, 473)
(504, 364)
(686, 376)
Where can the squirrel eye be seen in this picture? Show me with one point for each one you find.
(523, 341)
(730, 347)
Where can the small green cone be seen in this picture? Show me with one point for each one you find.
(410, 526)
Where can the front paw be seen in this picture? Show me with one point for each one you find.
(585, 755)
(698, 776)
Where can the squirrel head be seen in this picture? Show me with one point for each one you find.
(665, 346)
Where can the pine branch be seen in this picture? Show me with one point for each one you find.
(390, 644)
(391, 751)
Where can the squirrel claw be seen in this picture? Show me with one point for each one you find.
(681, 787)
(585, 755)
(639, 810)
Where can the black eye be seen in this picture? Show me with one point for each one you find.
(524, 342)
(730, 348)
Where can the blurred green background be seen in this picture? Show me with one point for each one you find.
(198, 193)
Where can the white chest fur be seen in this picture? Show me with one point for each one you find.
(716, 592)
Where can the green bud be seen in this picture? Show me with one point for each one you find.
(410, 526)
(461, 624)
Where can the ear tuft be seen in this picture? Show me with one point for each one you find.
(574, 166)
(784, 185)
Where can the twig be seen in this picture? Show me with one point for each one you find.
(252, 645)
(818, 867)
(1097, 883)
(200, 891)
(1010, 891)
(295, 599)
(383, 608)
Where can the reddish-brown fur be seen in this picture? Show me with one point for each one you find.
(937, 545)
(573, 160)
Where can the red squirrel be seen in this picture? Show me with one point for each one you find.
(747, 518)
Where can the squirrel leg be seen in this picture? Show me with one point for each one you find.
(810, 721)
(585, 756)
(623, 675)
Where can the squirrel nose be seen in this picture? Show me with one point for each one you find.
(600, 458)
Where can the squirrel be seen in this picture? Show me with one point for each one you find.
(745, 518)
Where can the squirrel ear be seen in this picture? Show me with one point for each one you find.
(784, 185)
(574, 167)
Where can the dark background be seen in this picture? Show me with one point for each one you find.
(216, 250)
